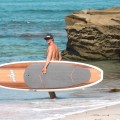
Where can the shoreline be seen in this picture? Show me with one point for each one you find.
(105, 113)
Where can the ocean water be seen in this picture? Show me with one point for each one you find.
(23, 25)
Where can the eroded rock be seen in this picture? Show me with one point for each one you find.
(93, 35)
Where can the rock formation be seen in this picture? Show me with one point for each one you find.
(93, 35)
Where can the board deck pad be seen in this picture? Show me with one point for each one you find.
(57, 76)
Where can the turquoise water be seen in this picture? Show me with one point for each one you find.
(23, 25)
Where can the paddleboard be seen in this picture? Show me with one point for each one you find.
(60, 76)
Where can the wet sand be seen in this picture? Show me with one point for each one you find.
(105, 113)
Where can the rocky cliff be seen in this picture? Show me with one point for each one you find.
(93, 35)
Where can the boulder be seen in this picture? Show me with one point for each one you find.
(93, 35)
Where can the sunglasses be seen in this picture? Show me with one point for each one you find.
(47, 38)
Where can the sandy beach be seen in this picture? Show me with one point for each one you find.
(106, 113)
